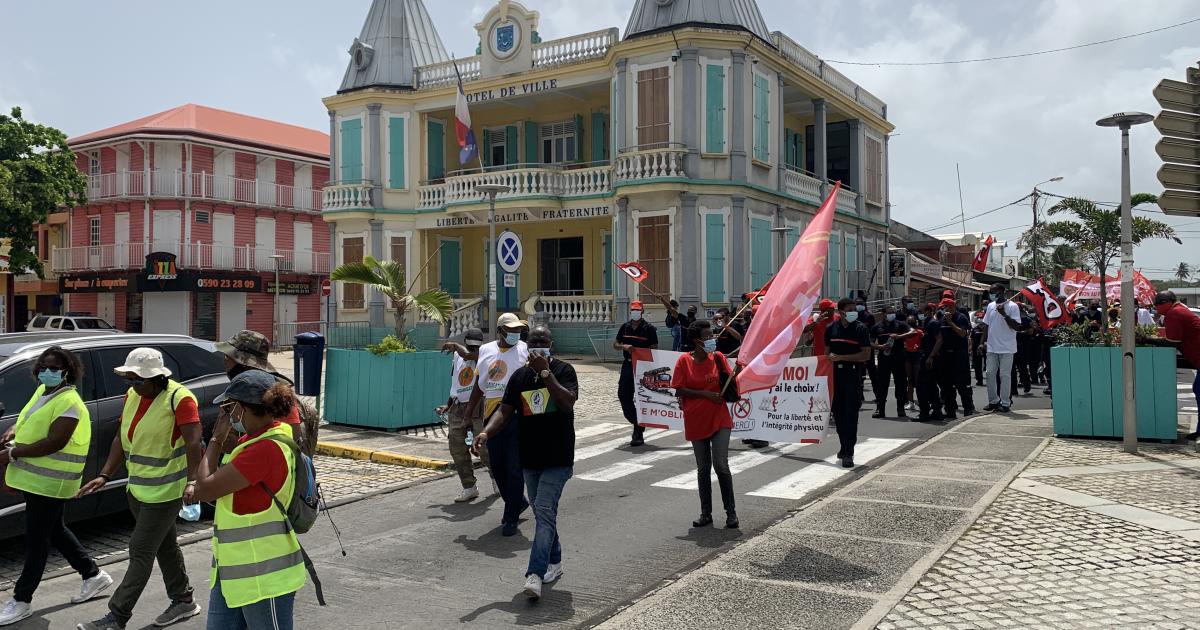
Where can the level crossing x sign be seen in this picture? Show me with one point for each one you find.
(509, 252)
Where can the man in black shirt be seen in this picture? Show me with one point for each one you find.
(888, 338)
(929, 399)
(729, 333)
(635, 333)
(950, 360)
(848, 342)
(976, 348)
(678, 324)
(541, 396)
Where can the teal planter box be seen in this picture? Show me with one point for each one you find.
(1089, 394)
(385, 392)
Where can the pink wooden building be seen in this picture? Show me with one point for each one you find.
(190, 213)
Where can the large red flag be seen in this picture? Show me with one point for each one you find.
(1050, 311)
(794, 290)
(981, 258)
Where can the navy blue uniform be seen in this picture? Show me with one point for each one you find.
(644, 335)
(928, 396)
(891, 365)
(953, 366)
(843, 338)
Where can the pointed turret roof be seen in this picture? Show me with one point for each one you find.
(397, 37)
(650, 16)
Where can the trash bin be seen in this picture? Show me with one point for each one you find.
(307, 354)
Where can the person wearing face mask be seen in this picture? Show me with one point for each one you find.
(888, 341)
(814, 332)
(1182, 333)
(498, 361)
(912, 357)
(706, 421)
(249, 350)
(1003, 320)
(849, 343)
(976, 347)
(951, 362)
(678, 324)
(540, 401)
(159, 444)
(635, 333)
(462, 382)
(257, 564)
(45, 452)
(929, 397)
(728, 331)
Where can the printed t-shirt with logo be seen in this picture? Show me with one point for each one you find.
(496, 366)
(462, 379)
(545, 433)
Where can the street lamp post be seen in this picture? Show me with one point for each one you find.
(275, 306)
(1124, 121)
(1034, 243)
(491, 190)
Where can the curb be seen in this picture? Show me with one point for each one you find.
(333, 449)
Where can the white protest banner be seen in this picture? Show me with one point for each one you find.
(796, 410)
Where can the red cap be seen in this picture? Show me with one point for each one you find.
(948, 303)
(948, 293)
(826, 305)
(636, 305)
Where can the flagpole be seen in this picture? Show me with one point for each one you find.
(652, 291)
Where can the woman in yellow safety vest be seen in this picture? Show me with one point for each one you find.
(158, 442)
(257, 562)
(45, 452)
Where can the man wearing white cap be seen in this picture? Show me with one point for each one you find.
(159, 444)
(462, 428)
(497, 362)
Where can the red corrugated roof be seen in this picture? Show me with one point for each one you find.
(218, 123)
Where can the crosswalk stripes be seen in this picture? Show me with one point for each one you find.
(608, 446)
(634, 465)
(599, 429)
(814, 476)
(737, 464)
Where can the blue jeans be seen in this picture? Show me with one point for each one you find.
(505, 458)
(545, 486)
(269, 614)
(1196, 391)
(676, 338)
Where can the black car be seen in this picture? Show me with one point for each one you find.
(193, 362)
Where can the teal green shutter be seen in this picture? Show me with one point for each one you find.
(833, 266)
(532, 143)
(486, 156)
(760, 252)
(351, 158)
(793, 237)
(714, 258)
(714, 109)
(578, 137)
(396, 152)
(599, 135)
(607, 262)
(851, 260)
(436, 155)
(761, 122)
(510, 145)
(795, 149)
(450, 268)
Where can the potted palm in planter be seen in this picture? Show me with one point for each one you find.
(390, 385)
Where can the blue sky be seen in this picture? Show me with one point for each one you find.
(83, 66)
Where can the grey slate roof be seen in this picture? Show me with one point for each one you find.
(650, 16)
(403, 37)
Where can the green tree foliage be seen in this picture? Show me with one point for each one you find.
(387, 277)
(1183, 272)
(37, 176)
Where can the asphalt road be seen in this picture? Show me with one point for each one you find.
(416, 559)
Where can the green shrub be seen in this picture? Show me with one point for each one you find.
(390, 344)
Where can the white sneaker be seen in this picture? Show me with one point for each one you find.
(533, 587)
(15, 611)
(467, 494)
(92, 587)
(553, 572)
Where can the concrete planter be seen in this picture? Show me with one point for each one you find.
(1089, 392)
(389, 392)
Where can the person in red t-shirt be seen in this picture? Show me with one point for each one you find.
(1182, 332)
(814, 332)
(249, 350)
(706, 420)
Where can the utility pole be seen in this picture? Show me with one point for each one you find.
(1034, 245)
(491, 190)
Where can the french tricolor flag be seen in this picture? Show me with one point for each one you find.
(468, 149)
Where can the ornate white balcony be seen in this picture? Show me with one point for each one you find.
(821, 70)
(572, 309)
(131, 256)
(347, 196)
(801, 184)
(650, 164)
(574, 49)
(847, 200)
(175, 184)
(548, 181)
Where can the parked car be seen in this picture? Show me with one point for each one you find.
(193, 362)
(68, 322)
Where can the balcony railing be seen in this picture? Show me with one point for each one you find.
(821, 70)
(577, 308)
(650, 164)
(177, 184)
(342, 196)
(558, 52)
(127, 256)
(548, 181)
(467, 313)
(847, 200)
(801, 184)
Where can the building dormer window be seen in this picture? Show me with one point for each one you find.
(361, 54)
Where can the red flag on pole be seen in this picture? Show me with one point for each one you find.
(635, 271)
(981, 258)
(1050, 311)
(758, 296)
(778, 326)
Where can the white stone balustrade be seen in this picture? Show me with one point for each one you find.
(847, 200)
(431, 196)
(574, 49)
(441, 74)
(650, 164)
(347, 196)
(823, 71)
(571, 309)
(800, 184)
(594, 180)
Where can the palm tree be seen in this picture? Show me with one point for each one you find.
(387, 277)
(1095, 232)
(1183, 272)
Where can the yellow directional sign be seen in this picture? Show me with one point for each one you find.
(1180, 202)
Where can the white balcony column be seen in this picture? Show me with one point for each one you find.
(820, 143)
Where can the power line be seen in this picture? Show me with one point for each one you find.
(1016, 56)
(976, 216)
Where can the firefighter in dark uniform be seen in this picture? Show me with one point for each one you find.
(633, 334)
(951, 361)
(848, 342)
(889, 336)
(929, 398)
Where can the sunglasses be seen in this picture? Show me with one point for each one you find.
(227, 408)
(135, 382)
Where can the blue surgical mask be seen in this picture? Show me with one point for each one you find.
(512, 338)
(710, 345)
(850, 316)
(50, 378)
(891, 317)
(237, 423)
(635, 315)
(860, 308)
(545, 352)
(921, 317)
(992, 296)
